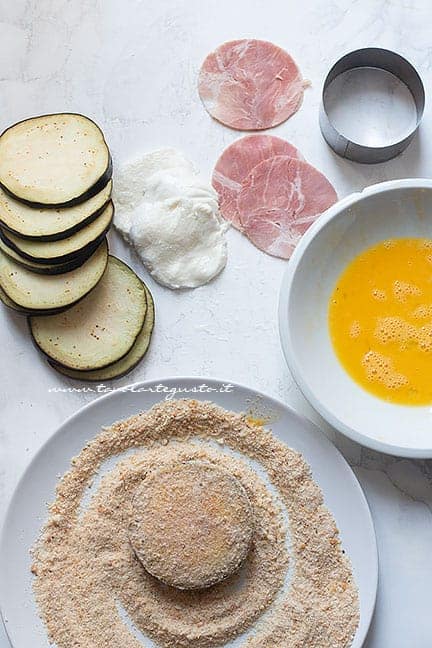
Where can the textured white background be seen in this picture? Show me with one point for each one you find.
(132, 66)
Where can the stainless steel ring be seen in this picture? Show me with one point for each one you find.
(372, 57)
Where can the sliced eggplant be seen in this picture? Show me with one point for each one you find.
(45, 268)
(11, 304)
(128, 362)
(67, 249)
(46, 224)
(25, 311)
(99, 330)
(55, 160)
(46, 292)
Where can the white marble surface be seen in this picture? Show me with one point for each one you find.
(132, 65)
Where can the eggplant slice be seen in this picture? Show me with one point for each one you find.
(99, 330)
(25, 311)
(39, 292)
(46, 224)
(79, 244)
(128, 362)
(55, 160)
(45, 268)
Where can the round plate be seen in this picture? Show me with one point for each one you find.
(396, 209)
(27, 510)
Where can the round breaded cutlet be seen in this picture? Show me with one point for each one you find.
(191, 525)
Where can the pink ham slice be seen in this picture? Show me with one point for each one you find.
(250, 84)
(279, 200)
(235, 164)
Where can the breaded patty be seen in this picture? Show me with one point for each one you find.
(192, 524)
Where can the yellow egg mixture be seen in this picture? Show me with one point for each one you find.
(380, 319)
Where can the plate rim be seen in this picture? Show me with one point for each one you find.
(288, 346)
(196, 380)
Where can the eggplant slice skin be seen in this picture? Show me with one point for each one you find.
(44, 224)
(39, 292)
(46, 268)
(79, 244)
(56, 160)
(99, 330)
(128, 362)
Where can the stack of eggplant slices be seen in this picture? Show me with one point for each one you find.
(89, 314)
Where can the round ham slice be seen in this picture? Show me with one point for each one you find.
(279, 201)
(250, 84)
(235, 164)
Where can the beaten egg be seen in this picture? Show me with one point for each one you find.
(380, 320)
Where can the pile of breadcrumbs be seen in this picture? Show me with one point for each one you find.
(87, 576)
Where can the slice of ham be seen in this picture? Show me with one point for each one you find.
(235, 164)
(250, 84)
(279, 201)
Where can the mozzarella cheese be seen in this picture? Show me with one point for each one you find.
(171, 217)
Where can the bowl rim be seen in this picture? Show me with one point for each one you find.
(288, 344)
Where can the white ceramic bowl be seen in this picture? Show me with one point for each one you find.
(399, 208)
